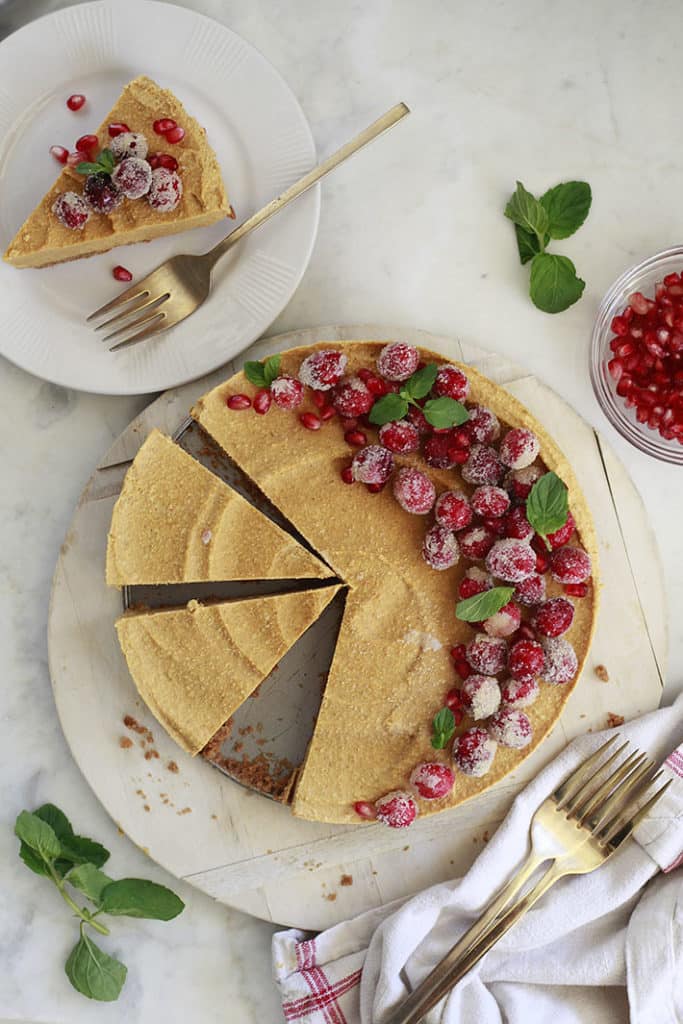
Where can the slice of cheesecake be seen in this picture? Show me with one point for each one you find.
(190, 196)
(177, 522)
(194, 666)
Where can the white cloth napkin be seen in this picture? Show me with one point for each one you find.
(598, 947)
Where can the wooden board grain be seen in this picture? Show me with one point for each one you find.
(247, 851)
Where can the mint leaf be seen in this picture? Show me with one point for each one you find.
(528, 245)
(136, 897)
(445, 412)
(443, 727)
(481, 606)
(554, 284)
(567, 206)
(525, 210)
(33, 861)
(387, 409)
(255, 374)
(271, 368)
(94, 973)
(106, 160)
(104, 164)
(56, 819)
(547, 505)
(421, 382)
(38, 836)
(89, 880)
(81, 850)
(85, 167)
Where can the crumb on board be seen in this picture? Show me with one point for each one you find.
(120, 830)
(140, 792)
(146, 807)
(614, 721)
(173, 767)
(405, 848)
(346, 880)
(331, 896)
(125, 742)
(149, 754)
(214, 817)
(602, 673)
(486, 836)
(185, 810)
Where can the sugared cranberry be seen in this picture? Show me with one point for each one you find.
(452, 383)
(364, 809)
(372, 464)
(351, 397)
(519, 448)
(71, 210)
(525, 660)
(117, 128)
(59, 153)
(163, 125)
(400, 437)
(561, 664)
(519, 482)
(357, 438)
(86, 144)
(165, 191)
(517, 525)
(483, 425)
(262, 401)
(398, 361)
(310, 421)
(553, 617)
(560, 537)
(474, 751)
(414, 491)
(490, 502)
(475, 581)
(487, 654)
(322, 369)
(570, 565)
(101, 193)
(504, 622)
(453, 510)
(432, 780)
(347, 475)
(530, 591)
(238, 402)
(122, 273)
(477, 542)
(175, 135)
(480, 696)
(397, 809)
(287, 392)
(483, 466)
(75, 101)
(519, 693)
(418, 420)
(511, 560)
(439, 452)
(511, 728)
(133, 177)
(440, 548)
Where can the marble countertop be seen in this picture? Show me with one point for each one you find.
(414, 235)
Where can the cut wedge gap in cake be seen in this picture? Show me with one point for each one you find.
(177, 595)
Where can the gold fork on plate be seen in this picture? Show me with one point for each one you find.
(578, 827)
(179, 286)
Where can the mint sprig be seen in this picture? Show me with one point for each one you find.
(482, 606)
(554, 284)
(443, 727)
(263, 374)
(50, 847)
(104, 164)
(442, 412)
(547, 506)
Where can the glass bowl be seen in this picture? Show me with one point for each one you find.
(641, 278)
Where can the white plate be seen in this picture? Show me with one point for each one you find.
(263, 143)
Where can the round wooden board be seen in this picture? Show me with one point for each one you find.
(246, 850)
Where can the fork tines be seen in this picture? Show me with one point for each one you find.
(137, 301)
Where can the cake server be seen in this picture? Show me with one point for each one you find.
(179, 286)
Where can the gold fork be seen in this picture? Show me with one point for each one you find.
(179, 286)
(578, 827)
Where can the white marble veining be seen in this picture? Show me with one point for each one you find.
(411, 232)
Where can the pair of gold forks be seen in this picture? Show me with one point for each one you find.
(583, 822)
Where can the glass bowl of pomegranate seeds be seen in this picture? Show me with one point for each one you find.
(637, 355)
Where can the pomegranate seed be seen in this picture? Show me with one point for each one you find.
(75, 158)
(86, 144)
(328, 413)
(376, 386)
(619, 326)
(453, 699)
(117, 128)
(163, 125)
(356, 438)
(349, 423)
(347, 475)
(459, 651)
(576, 589)
(153, 160)
(121, 274)
(238, 402)
(164, 160)
(262, 401)
(542, 562)
(375, 488)
(75, 101)
(458, 714)
(365, 810)
(463, 667)
(176, 134)
(319, 399)
(310, 421)
(59, 153)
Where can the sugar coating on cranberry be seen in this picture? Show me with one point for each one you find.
(396, 809)
(511, 560)
(560, 537)
(530, 591)
(475, 581)
(519, 693)
(71, 210)
(166, 190)
(127, 144)
(483, 466)
(414, 491)
(453, 510)
(517, 525)
(398, 361)
(519, 482)
(477, 542)
(553, 617)
(487, 654)
(101, 194)
(287, 392)
(418, 420)
(483, 425)
(519, 448)
(490, 502)
(440, 548)
(525, 660)
(451, 382)
(372, 464)
(511, 728)
(133, 177)
(400, 437)
(480, 696)
(432, 780)
(439, 451)
(350, 398)
(323, 369)
(561, 663)
(474, 751)
(504, 622)
(570, 565)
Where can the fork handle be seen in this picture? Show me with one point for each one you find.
(382, 124)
